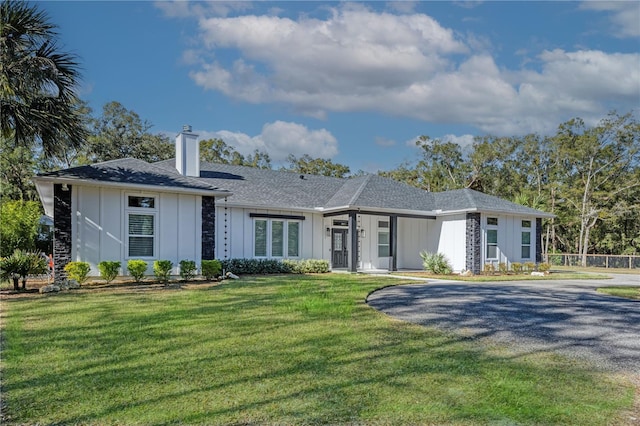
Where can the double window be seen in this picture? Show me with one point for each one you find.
(276, 238)
(492, 238)
(141, 226)
(526, 240)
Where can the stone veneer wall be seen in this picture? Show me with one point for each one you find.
(62, 238)
(474, 249)
(208, 228)
(538, 240)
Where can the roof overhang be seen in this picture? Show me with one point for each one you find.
(537, 213)
(339, 211)
(44, 186)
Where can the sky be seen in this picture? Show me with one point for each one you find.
(355, 82)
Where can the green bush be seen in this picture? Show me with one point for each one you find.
(489, 268)
(436, 263)
(255, 266)
(109, 270)
(137, 268)
(162, 270)
(307, 266)
(502, 267)
(530, 266)
(211, 269)
(188, 269)
(544, 267)
(20, 264)
(78, 271)
(517, 267)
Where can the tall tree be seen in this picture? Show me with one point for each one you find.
(316, 166)
(37, 82)
(217, 151)
(121, 133)
(442, 165)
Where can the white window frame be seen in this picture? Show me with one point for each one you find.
(383, 229)
(143, 211)
(525, 229)
(491, 227)
(285, 238)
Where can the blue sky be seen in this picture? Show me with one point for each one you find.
(355, 82)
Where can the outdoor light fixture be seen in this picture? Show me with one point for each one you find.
(65, 187)
(328, 231)
(362, 233)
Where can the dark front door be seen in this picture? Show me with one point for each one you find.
(339, 253)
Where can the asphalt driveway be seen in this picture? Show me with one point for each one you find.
(565, 316)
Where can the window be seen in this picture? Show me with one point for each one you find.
(141, 226)
(492, 238)
(526, 239)
(276, 238)
(383, 238)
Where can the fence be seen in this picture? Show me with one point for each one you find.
(595, 260)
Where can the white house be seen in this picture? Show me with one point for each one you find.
(186, 209)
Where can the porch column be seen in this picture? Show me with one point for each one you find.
(62, 238)
(353, 231)
(473, 246)
(393, 242)
(538, 240)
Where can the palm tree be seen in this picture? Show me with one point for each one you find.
(37, 82)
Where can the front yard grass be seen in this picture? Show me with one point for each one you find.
(629, 292)
(274, 350)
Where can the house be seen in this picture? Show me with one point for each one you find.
(186, 209)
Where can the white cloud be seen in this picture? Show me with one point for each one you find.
(624, 15)
(405, 65)
(463, 140)
(384, 142)
(279, 139)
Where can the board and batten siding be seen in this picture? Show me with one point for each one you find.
(99, 226)
(451, 238)
(235, 232)
(509, 239)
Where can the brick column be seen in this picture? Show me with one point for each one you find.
(62, 238)
(473, 243)
(208, 228)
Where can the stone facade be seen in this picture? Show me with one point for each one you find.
(62, 237)
(474, 247)
(538, 240)
(208, 228)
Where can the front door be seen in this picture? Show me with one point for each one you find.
(339, 253)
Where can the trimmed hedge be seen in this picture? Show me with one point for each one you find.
(274, 266)
(188, 269)
(109, 270)
(211, 269)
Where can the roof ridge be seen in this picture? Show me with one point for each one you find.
(367, 178)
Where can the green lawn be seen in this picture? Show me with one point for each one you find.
(278, 350)
(622, 291)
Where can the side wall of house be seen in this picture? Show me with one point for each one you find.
(509, 247)
(414, 236)
(100, 232)
(452, 239)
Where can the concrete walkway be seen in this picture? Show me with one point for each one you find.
(566, 316)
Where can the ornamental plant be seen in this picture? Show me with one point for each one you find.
(517, 267)
(137, 268)
(188, 269)
(211, 269)
(109, 270)
(436, 263)
(78, 271)
(162, 270)
(20, 265)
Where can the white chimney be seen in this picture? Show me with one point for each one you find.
(188, 153)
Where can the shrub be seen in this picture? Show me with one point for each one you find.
(162, 270)
(255, 266)
(530, 266)
(137, 268)
(211, 269)
(436, 263)
(78, 271)
(109, 270)
(517, 267)
(502, 267)
(188, 269)
(489, 268)
(21, 264)
(544, 267)
(307, 266)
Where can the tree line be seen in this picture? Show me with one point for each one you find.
(588, 176)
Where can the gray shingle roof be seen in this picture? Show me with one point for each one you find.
(134, 172)
(470, 200)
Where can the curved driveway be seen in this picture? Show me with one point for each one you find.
(566, 316)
